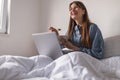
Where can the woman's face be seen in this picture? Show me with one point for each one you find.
(76, 12)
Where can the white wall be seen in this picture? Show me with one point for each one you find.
(105, 13)
(32, 16)
(25, 20)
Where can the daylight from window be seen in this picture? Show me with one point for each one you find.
(4, 16)
(1, 11)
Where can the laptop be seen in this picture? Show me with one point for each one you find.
(47, 44)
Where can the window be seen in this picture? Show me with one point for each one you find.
(4, 16)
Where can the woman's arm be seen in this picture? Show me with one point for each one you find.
(68, 44)
(97, 43)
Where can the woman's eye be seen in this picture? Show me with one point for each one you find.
(76, 7)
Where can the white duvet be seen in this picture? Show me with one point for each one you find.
(72, 66)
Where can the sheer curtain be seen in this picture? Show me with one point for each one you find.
(4, 16)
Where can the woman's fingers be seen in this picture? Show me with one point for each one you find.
(53, 30)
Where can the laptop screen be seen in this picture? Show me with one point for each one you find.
(47, 44)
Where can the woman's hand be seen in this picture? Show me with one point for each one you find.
(69, 45)
(52, 29)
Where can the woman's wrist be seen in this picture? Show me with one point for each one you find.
(71, 46)
(76, 48)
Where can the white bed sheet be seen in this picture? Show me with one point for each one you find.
(72, 66)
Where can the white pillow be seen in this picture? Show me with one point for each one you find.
(112, 46)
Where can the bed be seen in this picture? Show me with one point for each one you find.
(72, 66)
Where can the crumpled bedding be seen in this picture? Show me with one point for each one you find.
(72, 66)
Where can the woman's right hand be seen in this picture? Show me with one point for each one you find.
(52, 29)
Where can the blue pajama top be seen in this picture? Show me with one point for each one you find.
(96, 39)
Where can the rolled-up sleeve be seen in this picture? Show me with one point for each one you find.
(97, 45)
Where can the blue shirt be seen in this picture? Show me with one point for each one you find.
(96, 38)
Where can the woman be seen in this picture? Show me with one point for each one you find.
(82, 35)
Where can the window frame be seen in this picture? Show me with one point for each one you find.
(5, 17)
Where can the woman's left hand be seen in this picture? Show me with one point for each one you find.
(69, 45)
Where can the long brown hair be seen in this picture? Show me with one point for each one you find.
(85, 35)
